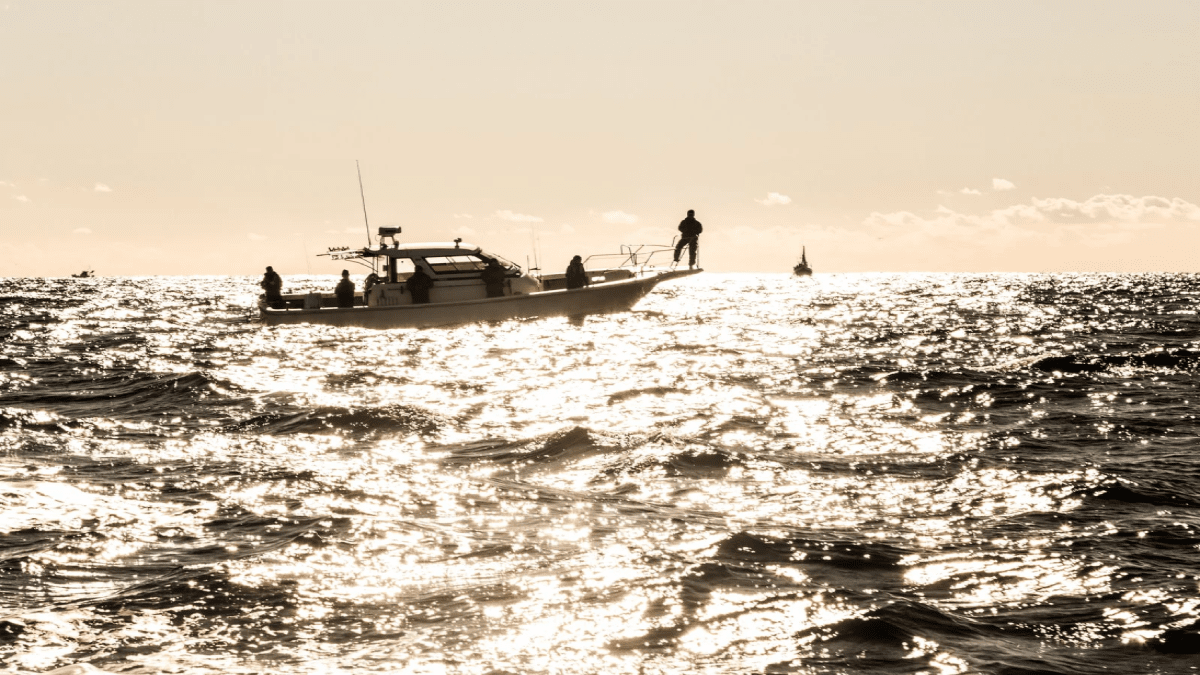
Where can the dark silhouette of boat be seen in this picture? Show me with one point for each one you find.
(459, 292)
(86, 274)
(459, 286)
(802, 269)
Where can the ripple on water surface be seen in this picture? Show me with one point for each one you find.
(749, 473)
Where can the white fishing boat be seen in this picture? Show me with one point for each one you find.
(458, 293)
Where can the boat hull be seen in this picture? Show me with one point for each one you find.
(603, 298)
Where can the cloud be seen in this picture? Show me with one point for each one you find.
(1124, 208)
(1104, 232)
(21, 198)
(775, 199)
(516, 217)
(101, 187)
(81, 230)
(7, 184)
(256, 237)
(970, 191)
(1000, 185)
(463, 215)
(619, 217)
(1100, 209)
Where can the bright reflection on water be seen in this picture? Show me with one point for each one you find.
(863, 473)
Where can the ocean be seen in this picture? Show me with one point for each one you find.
(851, 473)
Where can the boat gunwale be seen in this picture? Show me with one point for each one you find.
(634, 281)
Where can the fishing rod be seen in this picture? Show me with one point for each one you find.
(533, 236)
(364, 201)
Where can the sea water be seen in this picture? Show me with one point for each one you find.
(849, 473)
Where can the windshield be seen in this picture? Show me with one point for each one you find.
(454, 263)
(508, 264)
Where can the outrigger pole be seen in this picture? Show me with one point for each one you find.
(364, 202)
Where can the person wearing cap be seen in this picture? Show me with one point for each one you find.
(272, 284)
(345, 290)
(576, 276)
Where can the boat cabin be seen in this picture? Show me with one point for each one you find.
(455, 267)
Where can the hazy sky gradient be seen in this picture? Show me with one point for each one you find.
(220, 137)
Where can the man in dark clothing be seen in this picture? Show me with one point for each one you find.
(345, 290)
(689, 235)
(576, 276)
(493, 278)
(418, 284)
(273, 285)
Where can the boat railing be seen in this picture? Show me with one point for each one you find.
(632, 256)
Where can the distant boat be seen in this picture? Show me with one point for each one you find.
(802, 269)
(86, 274)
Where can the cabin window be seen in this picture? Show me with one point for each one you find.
(455, 263)
(403, 267)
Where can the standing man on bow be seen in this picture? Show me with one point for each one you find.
(689, 235)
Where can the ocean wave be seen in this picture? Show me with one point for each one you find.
(936, 377)
(1178, 640)
(387, 419)
(21, 419)
(896, 625)
(361, 378)
(843, 554)
(568, 443)
(655, 453)
(1116, 491)
(136, 393)
(1171, 360)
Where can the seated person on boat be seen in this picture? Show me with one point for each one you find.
(577, 276)
(345, 290)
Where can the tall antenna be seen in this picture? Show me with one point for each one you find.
(364, 201)
(537, 265)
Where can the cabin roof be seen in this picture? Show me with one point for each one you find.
(428, 249)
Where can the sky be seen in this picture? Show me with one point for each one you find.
(151, 138)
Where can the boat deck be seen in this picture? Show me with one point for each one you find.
(603, 296)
